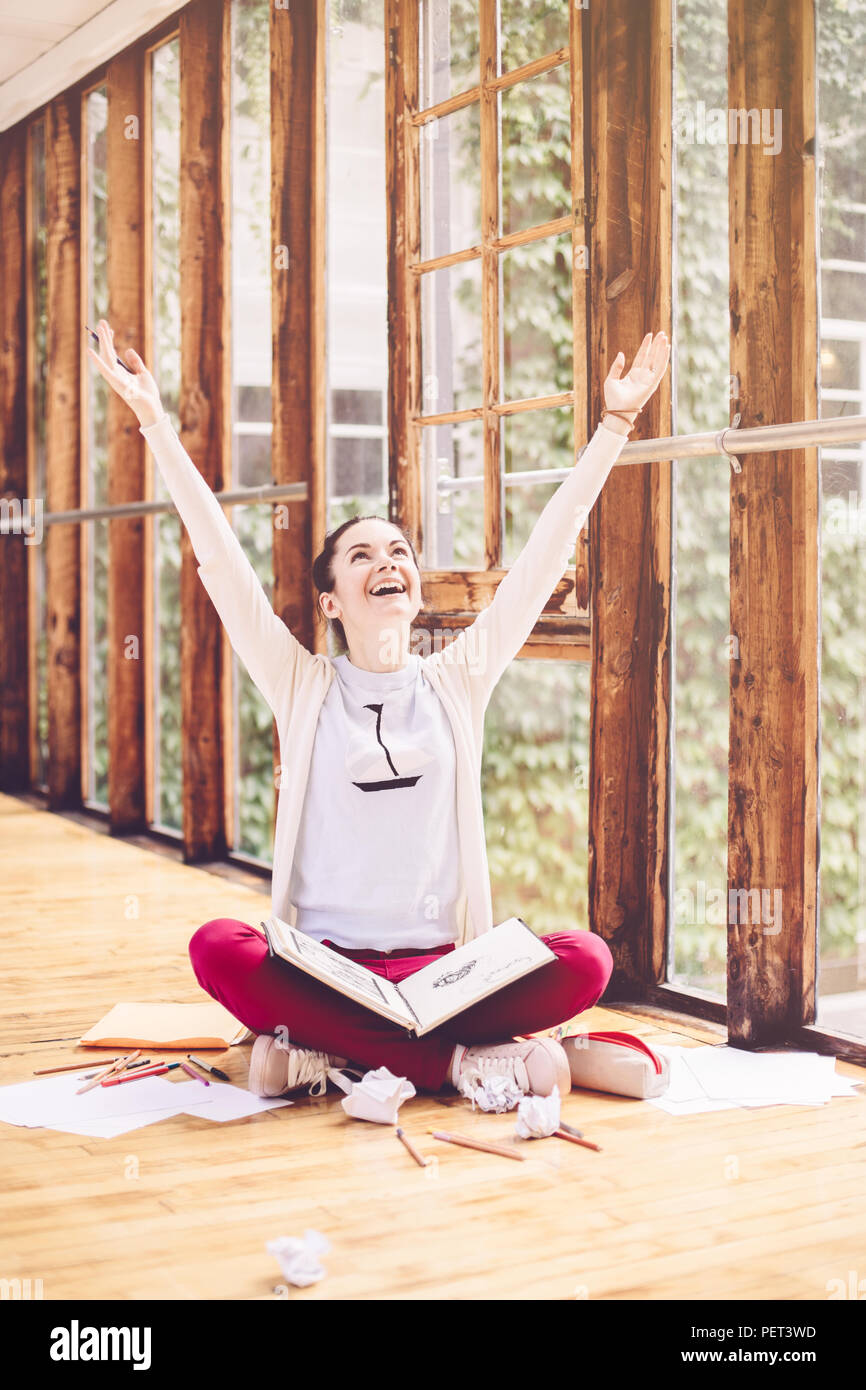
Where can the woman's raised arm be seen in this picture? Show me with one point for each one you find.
(500, 630)
(270, 652)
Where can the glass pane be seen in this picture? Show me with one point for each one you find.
(536, 150)
(166, 530)
(535, 790)
(533, 439)
(357, 267)
(358, 466)
(453, 517)
(96, 599)
(701, 610)
(537, 328)
(841, 1005)
(253, 792)
(529, 29)
(451, 338)
(450, 183)
(448, 49)
(40, 329)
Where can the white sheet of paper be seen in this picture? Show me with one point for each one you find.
(729, 1073)
(725, 1078)
(112, 1126)
(52, 1099)
(227, 1102)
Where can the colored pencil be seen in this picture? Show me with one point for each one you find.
(73, 1066)
(573, 1139)
(134, 1075)
(195, 1074)
(476, 1144)
(422, 1162)
(118, 1067)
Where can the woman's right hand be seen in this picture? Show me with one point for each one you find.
(139, 390)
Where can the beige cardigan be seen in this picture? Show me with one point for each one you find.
(294, 681)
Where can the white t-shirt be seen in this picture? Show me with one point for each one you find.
(377, 859)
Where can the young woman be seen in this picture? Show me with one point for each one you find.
(379, 846)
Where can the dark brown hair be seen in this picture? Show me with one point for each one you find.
(323, 568)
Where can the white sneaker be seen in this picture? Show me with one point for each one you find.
(275, 1070)
(534, 1065)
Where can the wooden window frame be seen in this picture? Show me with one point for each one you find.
(457, 595)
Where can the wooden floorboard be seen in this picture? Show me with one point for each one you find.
(760, 1204)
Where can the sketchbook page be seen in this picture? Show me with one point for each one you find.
(473, 971)
(191, 1026)
(341, 973)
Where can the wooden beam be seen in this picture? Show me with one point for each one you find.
(205, 385)
(63, 444)
(772, 803)
(15, 544)
(494, 491)
(402, 175)
(297, 302)
(298, 312)
(580, 229)
(127, 651)
(630, 276)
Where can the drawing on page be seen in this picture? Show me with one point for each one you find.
(451, 977)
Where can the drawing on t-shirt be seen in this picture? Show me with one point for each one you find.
(378, 769)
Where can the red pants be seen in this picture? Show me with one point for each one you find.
(231, 963)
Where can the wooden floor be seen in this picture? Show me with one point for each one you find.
(733, 1205)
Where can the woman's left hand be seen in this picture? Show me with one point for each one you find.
(633, 390)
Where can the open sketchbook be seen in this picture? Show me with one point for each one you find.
(431, 996)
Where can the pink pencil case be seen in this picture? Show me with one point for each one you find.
(616, 1062)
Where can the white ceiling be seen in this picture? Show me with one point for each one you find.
(60, 41)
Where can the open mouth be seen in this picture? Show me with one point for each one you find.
(387, 589)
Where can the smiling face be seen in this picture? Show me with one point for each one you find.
(373, 556)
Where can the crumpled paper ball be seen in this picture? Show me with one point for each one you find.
(492, 1093)
(377, 1096)
(538, 1116)
(298, 1256)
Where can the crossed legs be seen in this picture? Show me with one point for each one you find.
(231, 962)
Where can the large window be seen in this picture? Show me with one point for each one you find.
(164, 760)
(252, 786)
(841, 84)
(501, 289)
(357, 289)
(702, 651)
(94, 654)
(498, 270)
(535, 788)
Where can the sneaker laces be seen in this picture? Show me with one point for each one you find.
(306, 1066)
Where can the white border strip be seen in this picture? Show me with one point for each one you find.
(91, 44)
